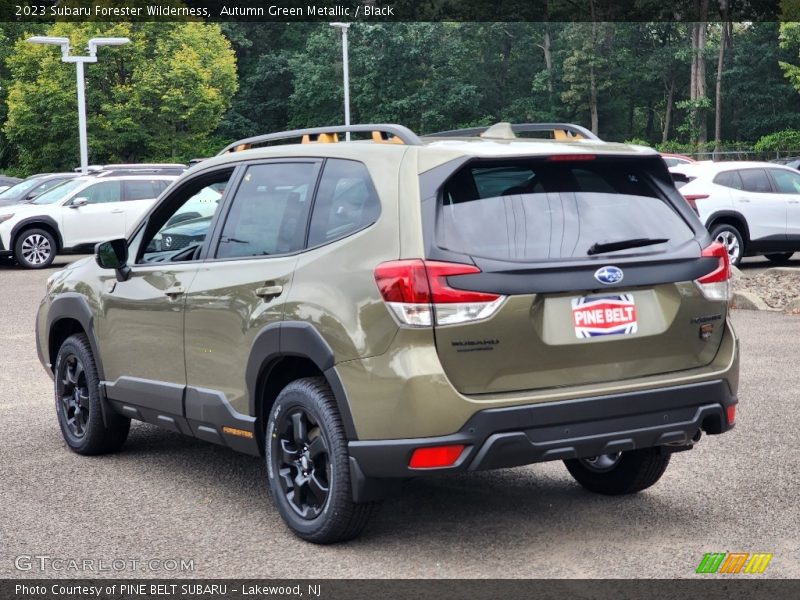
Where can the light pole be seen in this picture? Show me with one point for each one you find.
(343, 27)
(66, 57)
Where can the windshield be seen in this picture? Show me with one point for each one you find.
(18, 190)
(59, 192)
(550, 211)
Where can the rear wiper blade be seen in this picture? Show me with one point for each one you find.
(602, 247)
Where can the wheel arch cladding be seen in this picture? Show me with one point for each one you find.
(730, 217)
(69, 314)
(41, 222)
(286, 351)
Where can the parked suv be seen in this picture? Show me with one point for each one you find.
(363, 313)
(75, 214)
(750, 207)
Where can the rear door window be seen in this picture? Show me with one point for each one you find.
(755, 180)
(729, 179)
(269, 212)
(544, 210)
(346, 202)
(142, 189)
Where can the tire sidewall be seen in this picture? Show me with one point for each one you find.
(18, 248)
(286, 401)
(730, 228)
(92, 383)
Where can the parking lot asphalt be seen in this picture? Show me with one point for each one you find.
(167, 497)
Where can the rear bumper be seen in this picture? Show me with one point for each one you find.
(520, 435)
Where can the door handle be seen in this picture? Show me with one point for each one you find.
(794, 201)
(744, 200)
(116, 212)
(174, 292)
(269, 291)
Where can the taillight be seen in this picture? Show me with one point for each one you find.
(717, 284)
(417, 292)
(693, 198)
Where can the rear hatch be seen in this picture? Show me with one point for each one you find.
(586, 270)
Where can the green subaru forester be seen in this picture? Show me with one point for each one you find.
(366, 311)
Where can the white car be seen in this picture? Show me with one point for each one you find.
(75, 215)
(750, 207)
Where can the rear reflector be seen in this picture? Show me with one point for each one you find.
(731, 411)
(716, 285)
(417, 290)
(435, 457)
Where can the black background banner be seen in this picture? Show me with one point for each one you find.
(706, 587)
(396, 10)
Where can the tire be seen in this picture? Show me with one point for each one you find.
(625, 473)
(35, 248)
(78, 398)
(305, 442)
(729, 236)
(780, 258)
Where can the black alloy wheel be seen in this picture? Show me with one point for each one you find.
(303, 462)
(73, 396)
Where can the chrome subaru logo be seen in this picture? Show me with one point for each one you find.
(609, 275)
(168, 243)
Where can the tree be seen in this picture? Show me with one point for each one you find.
(9, 31)
(587, 67)
(790, 40)
(157, 98)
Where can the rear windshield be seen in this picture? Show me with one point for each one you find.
(554, 210)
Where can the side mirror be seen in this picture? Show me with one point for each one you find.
(113, 255)
(78, 202)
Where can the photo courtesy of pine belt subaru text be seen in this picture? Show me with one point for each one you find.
(364, 312)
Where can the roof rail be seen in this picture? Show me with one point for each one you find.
(561, 131)
(405, 135)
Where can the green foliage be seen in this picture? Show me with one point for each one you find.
(790, 40)
(172, 93)
(690, 127)
(780, 141)
(637, 142)
(157, 98)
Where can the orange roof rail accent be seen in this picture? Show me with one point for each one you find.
(329, 134)
(562, 136)
(381, 137)
(321, 138)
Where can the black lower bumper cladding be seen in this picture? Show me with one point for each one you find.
(520, 435)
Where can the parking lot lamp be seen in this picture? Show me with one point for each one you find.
(343, 27)
(79, 61)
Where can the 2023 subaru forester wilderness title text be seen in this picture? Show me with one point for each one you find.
(361, 313)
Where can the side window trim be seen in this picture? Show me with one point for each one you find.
(210, 253)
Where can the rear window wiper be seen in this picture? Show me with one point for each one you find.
(602, 247)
